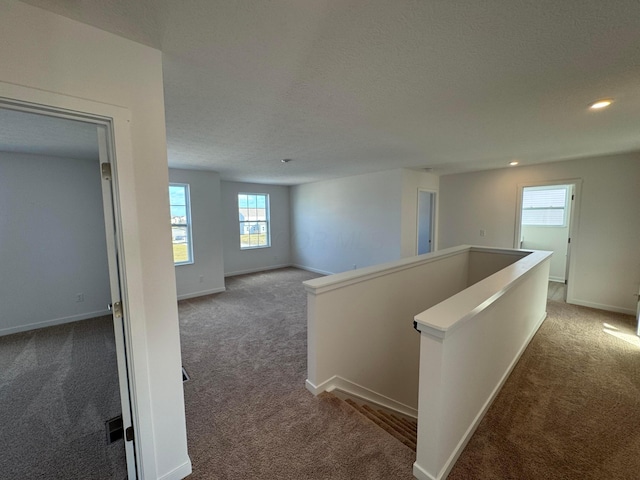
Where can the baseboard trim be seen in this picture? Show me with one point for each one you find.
(311, 269)
(358, 391)
(556, 279)
(201, 293)
(179, 472)
(51, 323)
(258, 269)
(601, 306)
(446, 469)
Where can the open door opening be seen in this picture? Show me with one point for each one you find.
(426, 209)
(64, 364)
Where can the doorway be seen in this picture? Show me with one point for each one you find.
(426, 209)
(546, 221)
(64, 376)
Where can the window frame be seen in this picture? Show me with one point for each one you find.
(267, 220)
(187, 225)
(564, 208)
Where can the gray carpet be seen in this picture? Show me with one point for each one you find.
(249, 415)
(58, 386)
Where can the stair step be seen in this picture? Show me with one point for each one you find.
(402, 429)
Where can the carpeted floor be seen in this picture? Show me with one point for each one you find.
(570, 410)
(249, 415)
(58, 386)
(571, 407)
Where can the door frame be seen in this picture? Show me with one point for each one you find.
(434, 213)
(130, 341)
(574, 221)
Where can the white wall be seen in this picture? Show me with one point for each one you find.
(238, 261)
(50, 59)
(549, 238)
(206, 274)
(52, 242)
(605, 254)
(347, 221)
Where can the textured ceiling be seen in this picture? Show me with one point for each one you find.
(345, 87)
(22, 132)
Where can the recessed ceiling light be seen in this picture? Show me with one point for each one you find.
(514, 163)
(604, 103)
(285, 160)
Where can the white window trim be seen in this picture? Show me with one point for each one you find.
(188, 224)
(267, 221)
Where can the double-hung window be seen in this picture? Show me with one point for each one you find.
(253, 210)
(545, 206)
(180, 223)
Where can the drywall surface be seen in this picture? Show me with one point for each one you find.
(483, 264)
(45, 56)
(347, 223)
(412, 182)
(206, 274)
(238, 261)
(553, 239)
(605, 254)
(52, 242)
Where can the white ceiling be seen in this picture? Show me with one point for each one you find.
(346, 87)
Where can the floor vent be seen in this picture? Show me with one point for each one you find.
(185, 375)
(115, 430)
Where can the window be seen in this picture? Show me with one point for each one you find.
(180, 223)
(545, 206)
(253, 209)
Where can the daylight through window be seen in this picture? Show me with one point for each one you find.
(253, 209)
(180, 223)
(545, 206)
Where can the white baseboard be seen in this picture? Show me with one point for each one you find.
(51, 323)
(476, 421)
(556, 279)
(178, 473)
(313, 270)
(256, 270)
(201, 293)
(602, 306)
(354, 390)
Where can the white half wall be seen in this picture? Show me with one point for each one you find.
(49, 59)
(347, 223)
(206, 274)
(52, 242)
(608, 229)
(278, 255)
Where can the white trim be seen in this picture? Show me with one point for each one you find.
(602, 306)
(55, 321)
(353, 389)
(311, 269)
(556, 279)
(178, 473)
(476, 421)
(201, 293)
(256, 270)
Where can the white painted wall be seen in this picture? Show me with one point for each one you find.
(608, 230)
(76, 65)
(208, 255)
(278, 255)
(549, 238)
(347, 221)
(52, 242)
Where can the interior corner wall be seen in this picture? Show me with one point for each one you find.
(605, 255)
(413, 181)
(348, 222)
(52, 55)
(278, 255)
(52, 241)
(206, 274)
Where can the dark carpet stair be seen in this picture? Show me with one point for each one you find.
(402, 429)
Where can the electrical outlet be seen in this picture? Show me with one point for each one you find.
(482, 232)
(80, 297)
(201, 278)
